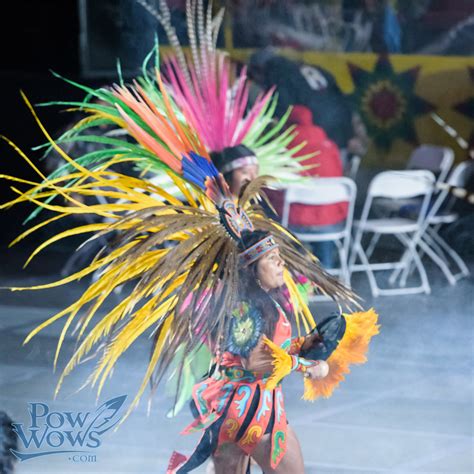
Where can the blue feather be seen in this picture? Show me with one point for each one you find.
(197, 169)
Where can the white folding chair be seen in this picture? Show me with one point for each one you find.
(394, 185)
(317, 192)
(439, 217)
(432, 158)
(441, 214)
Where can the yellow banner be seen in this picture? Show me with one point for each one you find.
(409, 87)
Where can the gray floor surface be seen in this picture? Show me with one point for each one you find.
(409, 409)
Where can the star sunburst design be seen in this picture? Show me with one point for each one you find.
(245, 329)
(387, 102)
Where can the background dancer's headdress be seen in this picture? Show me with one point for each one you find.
(214, 97)
(210, 97)
(233, 158)
(177, 290)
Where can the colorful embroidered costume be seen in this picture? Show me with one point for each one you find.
(235, 405)
(239, 406)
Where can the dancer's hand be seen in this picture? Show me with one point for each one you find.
(318, 371)
(260, 359)
(310, 340)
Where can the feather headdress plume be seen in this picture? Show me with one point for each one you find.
(214, 97)
(177, 292)
(206, 93)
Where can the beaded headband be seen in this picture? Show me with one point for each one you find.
(258, 250)
(239, 163)
(235, 220)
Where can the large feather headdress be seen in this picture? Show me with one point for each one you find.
(214, 97)
(206, 92)
(177, 292)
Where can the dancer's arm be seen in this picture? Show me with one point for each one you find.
(303, 343)
(261, 360)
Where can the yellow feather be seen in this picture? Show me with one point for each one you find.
(299, 305)
(23, 155)
(282, 363)
(183, 188)
(72, 210)
(34, 228)
(151, 366)
(18, 180)
(78, 275)
(58, 149)
(127, 336)
(120, 278)
(46, 323)
(101, 329)
(100, 114)
(67, 233)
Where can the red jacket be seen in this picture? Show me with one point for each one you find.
(328, 164)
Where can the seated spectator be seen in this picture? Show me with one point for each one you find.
(327, 163)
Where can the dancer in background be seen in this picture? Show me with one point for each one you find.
(213, 96)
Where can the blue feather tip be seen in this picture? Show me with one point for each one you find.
(196, 169)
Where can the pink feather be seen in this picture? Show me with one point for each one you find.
(220, 121)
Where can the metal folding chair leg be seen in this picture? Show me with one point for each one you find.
(436, 248)
(404, 262)
(431, 248)
(394, 185)
(373, 243)
(343, 262)
(411, 245)
(464, 271)
(439, 261)
(406, 270)
(400, 267)
(359, 251)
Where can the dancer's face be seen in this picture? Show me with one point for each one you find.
(242, 175)
(270, 270)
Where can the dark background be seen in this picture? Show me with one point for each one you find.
(35, 37)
